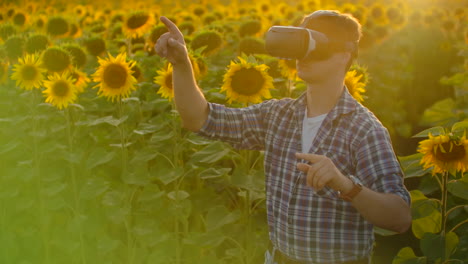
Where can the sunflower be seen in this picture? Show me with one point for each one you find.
(355, 83)
(20, 19)
(56, 59)
(288, 68)
(80, 80)
(114, 76)
(36, 43)
(28, 73)
(57, 26)
(138, 23)
(164, 79)
(210, 40)
(247, 82)
(378, 14)
(60, 90)
(444, 153)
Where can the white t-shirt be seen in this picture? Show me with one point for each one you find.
(310, 127)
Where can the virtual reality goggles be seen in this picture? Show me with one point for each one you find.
(300, 43)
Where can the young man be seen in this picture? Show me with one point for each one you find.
(331, 172)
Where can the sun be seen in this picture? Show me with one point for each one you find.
(247, 82)
(114, 77)
(60, 90)
(444, 153)
(164, 79)
(29, 72)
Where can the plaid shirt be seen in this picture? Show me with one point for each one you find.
(316, 227)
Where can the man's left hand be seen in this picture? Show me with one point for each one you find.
(321, 172)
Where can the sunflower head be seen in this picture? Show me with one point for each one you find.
(7, 30)
(57, 26)
(251, 45)
(250, 27)
(210, 40)
(80, 80)
(155, 33)
(95, 46)
(14, 47)
(164, 80)
(20, 19)
(137, 23)
(114, 77)
(356, 80)
(28, 73)
(445, 153)
(247, 81)
(36, 43)
(56, 59)
(78, 55)
(60, 90)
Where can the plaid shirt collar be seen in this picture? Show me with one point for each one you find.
(346, 104)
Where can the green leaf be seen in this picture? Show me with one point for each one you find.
(167, 174)
(206, 240)
(438, 246)
(434, 131)
(211, 153)
(440, 113)
(383, 232)
(421, 206)
(219, 216)
(162, 135)
(93, 188)
(460, 128)
(106, 120)
(451, 243)
(212, 173)
(459, 187)
(412, 167)
(53, 188)
(406, 256)
(429, 224)
(178, 195)
(146, 128)
(99, 157)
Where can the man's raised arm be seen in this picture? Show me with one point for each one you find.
(189, 99)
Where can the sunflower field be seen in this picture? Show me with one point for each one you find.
(96, 168)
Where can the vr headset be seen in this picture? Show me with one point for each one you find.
(303, 44)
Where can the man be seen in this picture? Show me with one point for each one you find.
(331, 173)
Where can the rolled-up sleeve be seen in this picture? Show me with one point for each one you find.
(243, 128)
(378, 166)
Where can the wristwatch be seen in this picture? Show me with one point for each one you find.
(356, 189)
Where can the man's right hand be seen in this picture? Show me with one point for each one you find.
(171, 45)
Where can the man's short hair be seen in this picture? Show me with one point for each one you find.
(339, 27)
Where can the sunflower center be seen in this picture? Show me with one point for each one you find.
(449, 151)
(168, 81)
(29, 72)
(60, 88)
(247, 81)
(115, 76)
(137, 21)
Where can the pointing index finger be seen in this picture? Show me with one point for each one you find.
(171, 26)
(309, 157)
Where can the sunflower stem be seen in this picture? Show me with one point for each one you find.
(44, 224)
(123, 145)
(444, 201)
(74, 184)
